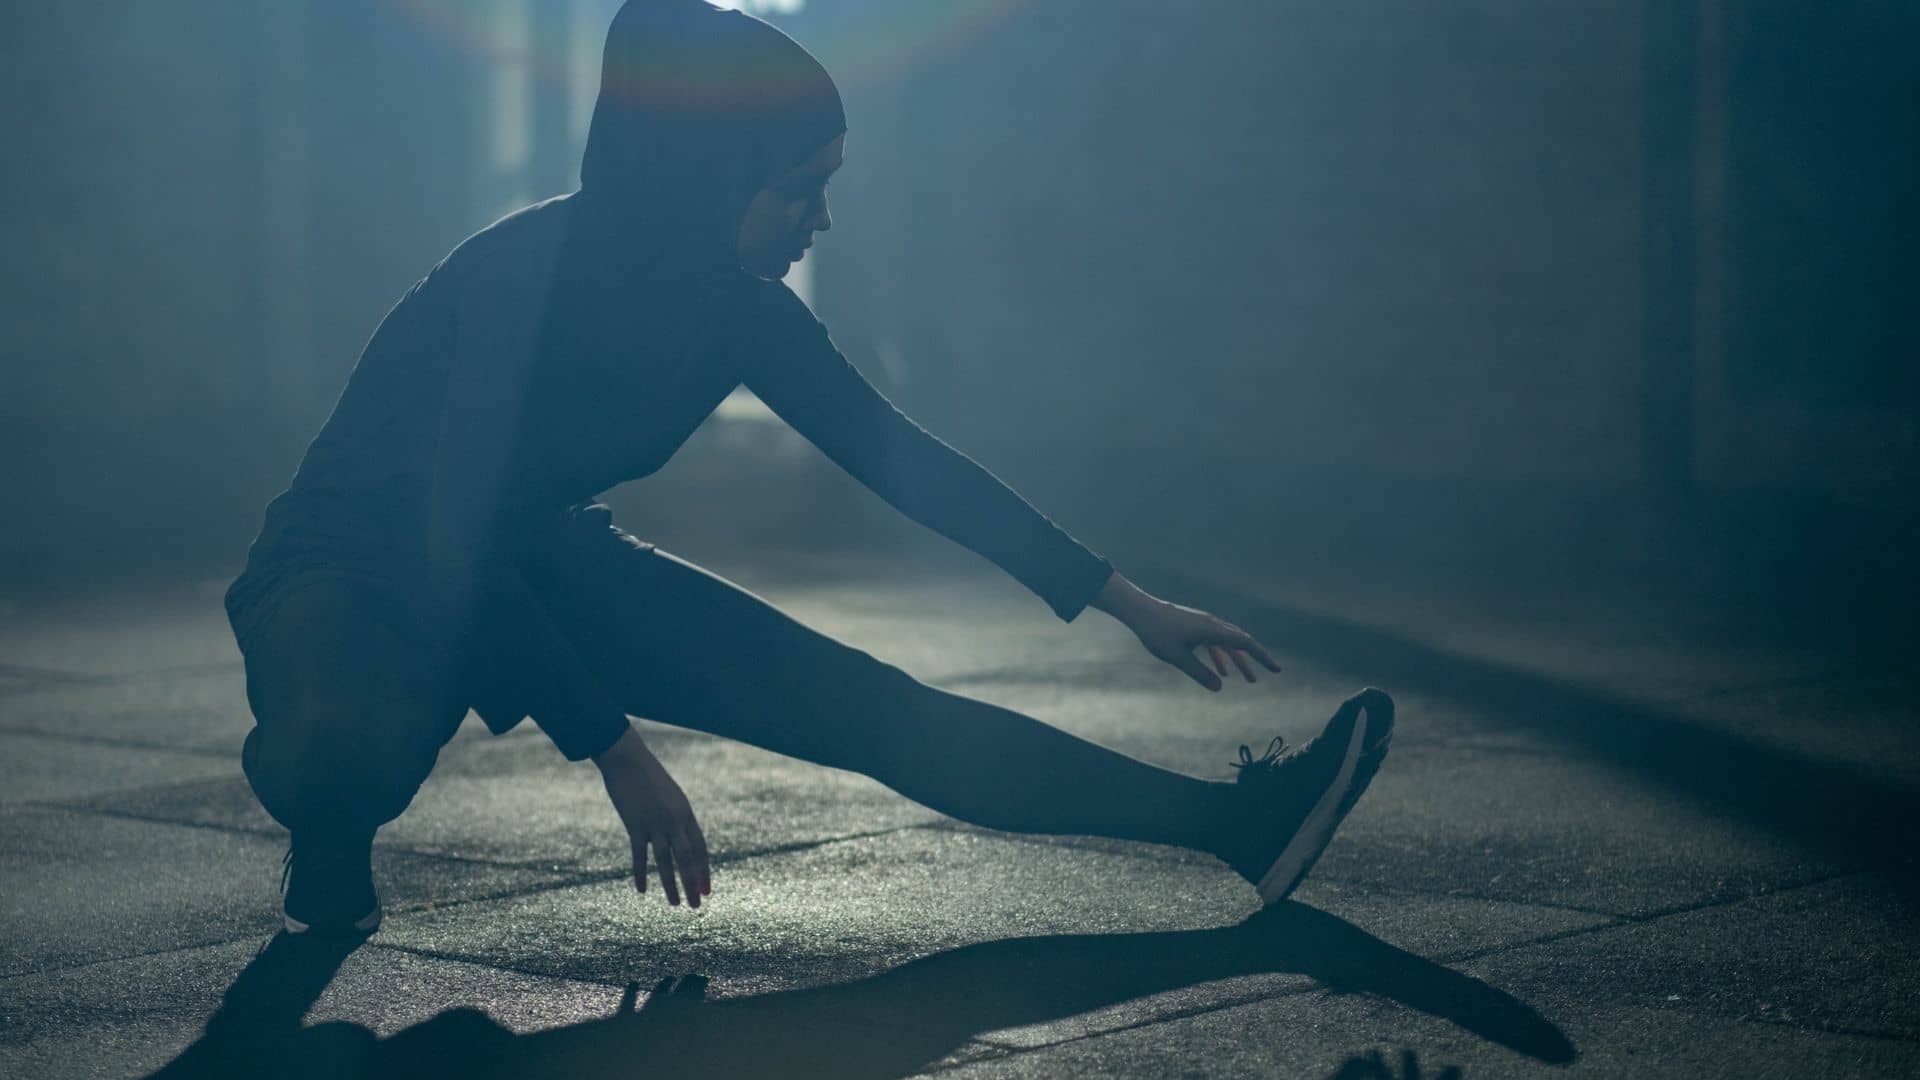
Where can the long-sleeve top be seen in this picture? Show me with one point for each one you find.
(451, 456)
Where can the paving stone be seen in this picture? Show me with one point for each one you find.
(1841, 954)
(832, 913)
(1367, 935)
(1551, 830)
(1317, 1035)
(125, 1017)
(118, 634)
(1518, 874)
(198, 711)
(39, 768)
(515, 800)
(79, 888)
(891, 931)
(195, 711)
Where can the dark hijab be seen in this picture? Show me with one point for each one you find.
(699, 108)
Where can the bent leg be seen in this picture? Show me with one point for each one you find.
(679, 644)
(348, 720)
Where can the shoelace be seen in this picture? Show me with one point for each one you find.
(1275, 751)
(286, 867)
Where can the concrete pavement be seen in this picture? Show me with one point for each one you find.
(1598, 848)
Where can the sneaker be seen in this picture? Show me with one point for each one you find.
(1301, 795)
(327, 888)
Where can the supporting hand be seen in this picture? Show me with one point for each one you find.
(1171, 632)
(658, 816)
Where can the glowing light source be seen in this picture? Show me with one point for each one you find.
(763, 7)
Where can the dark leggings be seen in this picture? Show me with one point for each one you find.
(349, 720)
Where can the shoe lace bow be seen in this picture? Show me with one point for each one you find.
(1276, 750)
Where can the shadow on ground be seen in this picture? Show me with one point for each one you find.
(1817, 805)
(891, 1024)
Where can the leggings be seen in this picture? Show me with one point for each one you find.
(349, 719)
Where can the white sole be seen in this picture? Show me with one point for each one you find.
(366, 924)
(1315, 833)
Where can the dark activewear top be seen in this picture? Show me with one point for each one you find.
(458, 445)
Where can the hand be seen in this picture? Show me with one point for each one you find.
(1171, 632)
(657, 815)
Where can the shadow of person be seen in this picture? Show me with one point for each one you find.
(904, 1019)
(256, 1031)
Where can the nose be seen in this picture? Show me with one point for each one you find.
(823, 220)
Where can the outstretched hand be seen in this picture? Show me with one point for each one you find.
(658, 817)
(1172, 632)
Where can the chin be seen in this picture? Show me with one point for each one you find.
(772, 270)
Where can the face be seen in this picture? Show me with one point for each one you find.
(779, 224)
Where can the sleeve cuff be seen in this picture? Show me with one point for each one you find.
(1077, 587)
(580, 741)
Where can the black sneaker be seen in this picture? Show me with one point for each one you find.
(326, 887)
(1297, 798)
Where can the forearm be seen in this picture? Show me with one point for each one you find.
(1122, 599)
(624, 752)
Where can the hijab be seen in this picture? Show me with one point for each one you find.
(699, 108)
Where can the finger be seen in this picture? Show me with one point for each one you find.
(706, 864)
(1247, 642)
(1219, 665)
(639, 845)
(689, 864)
(1240, 661)
(1196, 670)
(663, 855)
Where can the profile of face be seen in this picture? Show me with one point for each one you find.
(779, 224)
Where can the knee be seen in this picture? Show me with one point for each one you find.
(333, 765)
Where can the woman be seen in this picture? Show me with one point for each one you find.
(439, 548)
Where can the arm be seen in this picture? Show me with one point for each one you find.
(794, 367)
(791, 364)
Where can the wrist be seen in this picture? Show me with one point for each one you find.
(626, 749)
(1121, 598)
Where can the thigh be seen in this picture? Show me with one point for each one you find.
(336, 663)
(677, 643)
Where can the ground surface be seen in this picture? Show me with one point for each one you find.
(1606, 846)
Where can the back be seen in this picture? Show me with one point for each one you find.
(356, 504)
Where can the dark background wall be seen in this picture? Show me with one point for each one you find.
(1499, 292)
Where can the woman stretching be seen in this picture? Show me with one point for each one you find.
(440, 548)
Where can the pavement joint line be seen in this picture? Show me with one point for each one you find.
(1100, 845)
(39, 679)
(997, 1050)
(1482, 898)
(62, 969)
(1822, 1027)
(1464, 956)
(1784, 682)
(1612, 920)
(587, 876)
(115, 742)
(493, 965)
(1445, 958)
(576, 879)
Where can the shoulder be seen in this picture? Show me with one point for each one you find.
(771, 312)
(522, 242)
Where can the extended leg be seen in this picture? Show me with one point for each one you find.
(684, 646)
